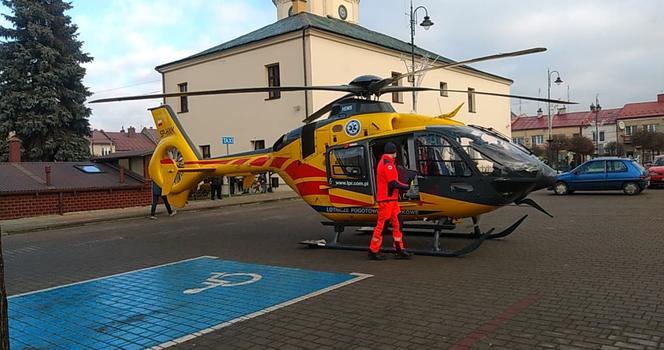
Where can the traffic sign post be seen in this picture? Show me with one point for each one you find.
(227, 140)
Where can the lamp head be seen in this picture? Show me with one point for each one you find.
(558, 80)
(426, 23)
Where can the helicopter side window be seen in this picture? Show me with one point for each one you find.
(436, 157)
(348, 163)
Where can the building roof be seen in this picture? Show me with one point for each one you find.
(642, 109)
(125, 154)
(130, 141)
(31, 177)
(305, 20)
(125, 141)
(565, 120)
(152, 134)
(99, 138)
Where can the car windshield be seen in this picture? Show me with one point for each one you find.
(639, 166)
(659, 162)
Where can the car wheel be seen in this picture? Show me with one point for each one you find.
(560, 188)
(631, 188)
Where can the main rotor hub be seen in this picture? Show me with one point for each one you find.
(365, 81)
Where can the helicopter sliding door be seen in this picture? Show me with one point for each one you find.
(442, 171)
(405, 160)
(348, 176)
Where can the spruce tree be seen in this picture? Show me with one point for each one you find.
(42, 94)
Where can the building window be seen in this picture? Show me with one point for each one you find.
(630, 129)
(397, 97)
(519, 140)
(537, 139)
(205, 151)
(184, 102)
(258, 144)
(601, 135)
(471, 101)
(594, 136)
(650, 128)
(443, 89)
(273, 79)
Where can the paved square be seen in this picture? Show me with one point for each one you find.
(160, 306)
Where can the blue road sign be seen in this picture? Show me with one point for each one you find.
(160, 306)
(227, 140)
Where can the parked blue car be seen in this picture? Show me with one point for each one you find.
(602, 174)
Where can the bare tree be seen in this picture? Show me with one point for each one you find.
(614, 148)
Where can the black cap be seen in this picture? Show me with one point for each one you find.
(390, 148)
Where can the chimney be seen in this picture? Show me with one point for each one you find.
(48, 175)
(14, 149)
(299, 6)
(131, 131)
(122, 175)
(562, 110)
(660, 98)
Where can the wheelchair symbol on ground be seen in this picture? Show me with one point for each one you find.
(219, 279)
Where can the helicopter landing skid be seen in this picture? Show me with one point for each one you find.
(477, 231)
(416, 230)
(435, 250)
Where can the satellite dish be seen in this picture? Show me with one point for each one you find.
(621, 125)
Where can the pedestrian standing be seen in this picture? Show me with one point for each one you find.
(231, 185)
(387, 195)
(156, 194)
(215, 187)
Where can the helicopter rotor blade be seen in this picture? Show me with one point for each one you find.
(390, 89)
(321, 112)
(354, 90)
(380, 85)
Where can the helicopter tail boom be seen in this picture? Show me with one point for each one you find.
(177, 167)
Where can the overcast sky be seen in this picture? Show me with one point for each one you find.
(614, 48)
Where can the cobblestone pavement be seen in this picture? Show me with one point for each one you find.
(590, 278)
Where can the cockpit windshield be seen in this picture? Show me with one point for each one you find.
(495, 155)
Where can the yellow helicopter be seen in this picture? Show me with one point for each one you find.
(458, 171)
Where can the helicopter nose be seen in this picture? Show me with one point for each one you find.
(545, 178)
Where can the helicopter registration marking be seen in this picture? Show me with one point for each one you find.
(353, 127)
(167, 132)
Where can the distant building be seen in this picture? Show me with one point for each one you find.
(614, 125)
(314, 42)
(647, 116)
(126, 149)
(103, 143)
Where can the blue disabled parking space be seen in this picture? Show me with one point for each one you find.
(159, 306)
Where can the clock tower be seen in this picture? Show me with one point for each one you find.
(346, 10)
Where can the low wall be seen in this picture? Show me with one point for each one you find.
(20, 205)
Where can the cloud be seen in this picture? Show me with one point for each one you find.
(608, 47)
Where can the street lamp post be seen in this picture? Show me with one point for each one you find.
(558, 81)
(596, 108)
(426, 23)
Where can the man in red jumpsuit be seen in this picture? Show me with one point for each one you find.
(387, 195)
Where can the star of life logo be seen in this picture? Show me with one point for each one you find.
(353, 128)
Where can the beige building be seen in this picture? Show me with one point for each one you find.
(318, 44)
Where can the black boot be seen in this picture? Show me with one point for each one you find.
(376, 256)
(402, 254)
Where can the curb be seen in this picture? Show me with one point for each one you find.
(46, 227)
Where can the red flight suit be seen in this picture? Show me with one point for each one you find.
(387, 195)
